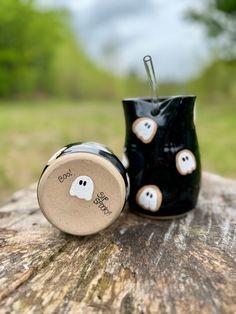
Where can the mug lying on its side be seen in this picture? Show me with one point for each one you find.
(83, 188)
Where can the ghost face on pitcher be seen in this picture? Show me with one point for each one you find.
(145, 129)
(82, 187)
(185, 162)
(149, 197)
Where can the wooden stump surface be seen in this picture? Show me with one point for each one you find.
(137, 265)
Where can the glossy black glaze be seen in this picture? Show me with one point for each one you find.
(96, 149)
(154, 163)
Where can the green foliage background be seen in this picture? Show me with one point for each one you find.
(40, 57)
(29, 39)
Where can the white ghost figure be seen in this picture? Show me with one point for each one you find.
(125, 161)
(82, 187)
(145, 129)
(149, 197)
(185, 162)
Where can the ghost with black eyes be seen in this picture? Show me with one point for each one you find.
(82, 187)
(185, 162)
(149, 197)
(145, 129)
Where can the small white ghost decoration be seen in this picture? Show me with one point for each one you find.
(185, 162)
(82, 187)
(145, 129)
(149, 197)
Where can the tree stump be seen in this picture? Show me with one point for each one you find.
(137, 265)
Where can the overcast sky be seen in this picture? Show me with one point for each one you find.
(117, 34)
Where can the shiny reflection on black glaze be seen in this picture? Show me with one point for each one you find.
(154, 163)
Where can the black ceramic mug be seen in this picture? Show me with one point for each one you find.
(162, 156)
(83, 188)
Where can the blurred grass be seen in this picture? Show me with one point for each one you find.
(32, 132)
(217, 137)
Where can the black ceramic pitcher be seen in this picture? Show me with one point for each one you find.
(161, 155)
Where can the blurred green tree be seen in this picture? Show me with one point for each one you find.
(28, 42)
(41, 55)
(219, 18)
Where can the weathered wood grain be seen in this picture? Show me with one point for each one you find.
(137, 265)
